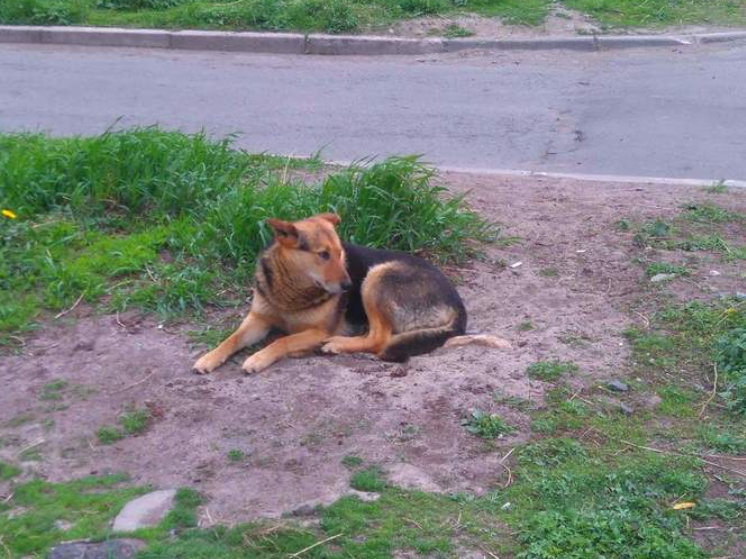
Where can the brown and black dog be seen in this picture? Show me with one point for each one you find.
(315, 288)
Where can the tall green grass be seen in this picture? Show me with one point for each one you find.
(172, 222)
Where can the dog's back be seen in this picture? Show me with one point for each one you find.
(419, 303)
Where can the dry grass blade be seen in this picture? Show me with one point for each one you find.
(310, 547)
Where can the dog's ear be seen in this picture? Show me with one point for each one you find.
(285, 232)
(334, 219)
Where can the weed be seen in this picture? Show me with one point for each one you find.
(8, 471)
(109, 435)
(730, 357)
(623, 225)
(20, 419)
(706, 212)
(525, 326)
(586, 507)
(717, 188)
(656, 268)
(352, 461)
(369, 480)
(676, 401)
(717, 440)
(236, 455)
(486, 426)
(551, 452)
(549, 371)
(135, 421)
(53, 390)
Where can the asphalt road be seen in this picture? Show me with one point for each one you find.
(660, 112)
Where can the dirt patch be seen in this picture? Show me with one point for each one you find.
(560, 21)
(571, 278)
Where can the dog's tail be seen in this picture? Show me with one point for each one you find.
(408, 344)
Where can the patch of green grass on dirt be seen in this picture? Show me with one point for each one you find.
(550, 371)
(657, 13)
(8, 471)
(486, 425)
(370, 479)
(88, 505)
(171, 223)
(700, 227)
(133, 421)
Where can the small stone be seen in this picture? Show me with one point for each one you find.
(112, 549)
(617, 386)
(714, 273)
(625, 409)
(657, 278)
(145, 511)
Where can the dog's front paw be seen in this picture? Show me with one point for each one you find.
(207, 363)
(256, 363)
(332, 346)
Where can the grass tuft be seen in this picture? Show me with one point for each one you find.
(171, 223)
(550, 371)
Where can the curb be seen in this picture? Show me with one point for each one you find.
(361, 45)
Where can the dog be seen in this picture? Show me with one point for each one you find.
(319, 290)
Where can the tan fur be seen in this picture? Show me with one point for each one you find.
(294, 294)
(299, 285)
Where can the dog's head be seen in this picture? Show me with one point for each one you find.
(313, 246)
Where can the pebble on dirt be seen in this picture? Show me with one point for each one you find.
(617, 386)
(144, 511)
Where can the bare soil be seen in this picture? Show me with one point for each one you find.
(560, 21)
(571, 276)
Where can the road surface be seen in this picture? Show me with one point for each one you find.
(659, 112)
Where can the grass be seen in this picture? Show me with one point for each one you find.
(87, 504)
(133, 422)
(550, 371)
(352, 16)
(486, 426)
(369, 480)
(702, 227)
(8, 471)
(655, 268)
(236, 455)
(171, 223)
(331, 16)
(657, 13)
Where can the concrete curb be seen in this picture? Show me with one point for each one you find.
(295, 43)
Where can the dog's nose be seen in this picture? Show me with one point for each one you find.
(346, 285)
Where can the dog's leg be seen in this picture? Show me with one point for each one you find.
(252, 330)
(293, 344)
(378, 337)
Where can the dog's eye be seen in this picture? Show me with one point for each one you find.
(324, 254)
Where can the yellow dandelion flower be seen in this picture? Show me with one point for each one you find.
(9, 214)
(731, 311)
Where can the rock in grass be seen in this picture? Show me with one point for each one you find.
(657, 278)
(625, 409)
(144, 511)
(112, 549)
(617, 386)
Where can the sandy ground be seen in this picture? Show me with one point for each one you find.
(560, 22)
(296, 421)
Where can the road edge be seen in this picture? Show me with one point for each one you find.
(335, 45)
